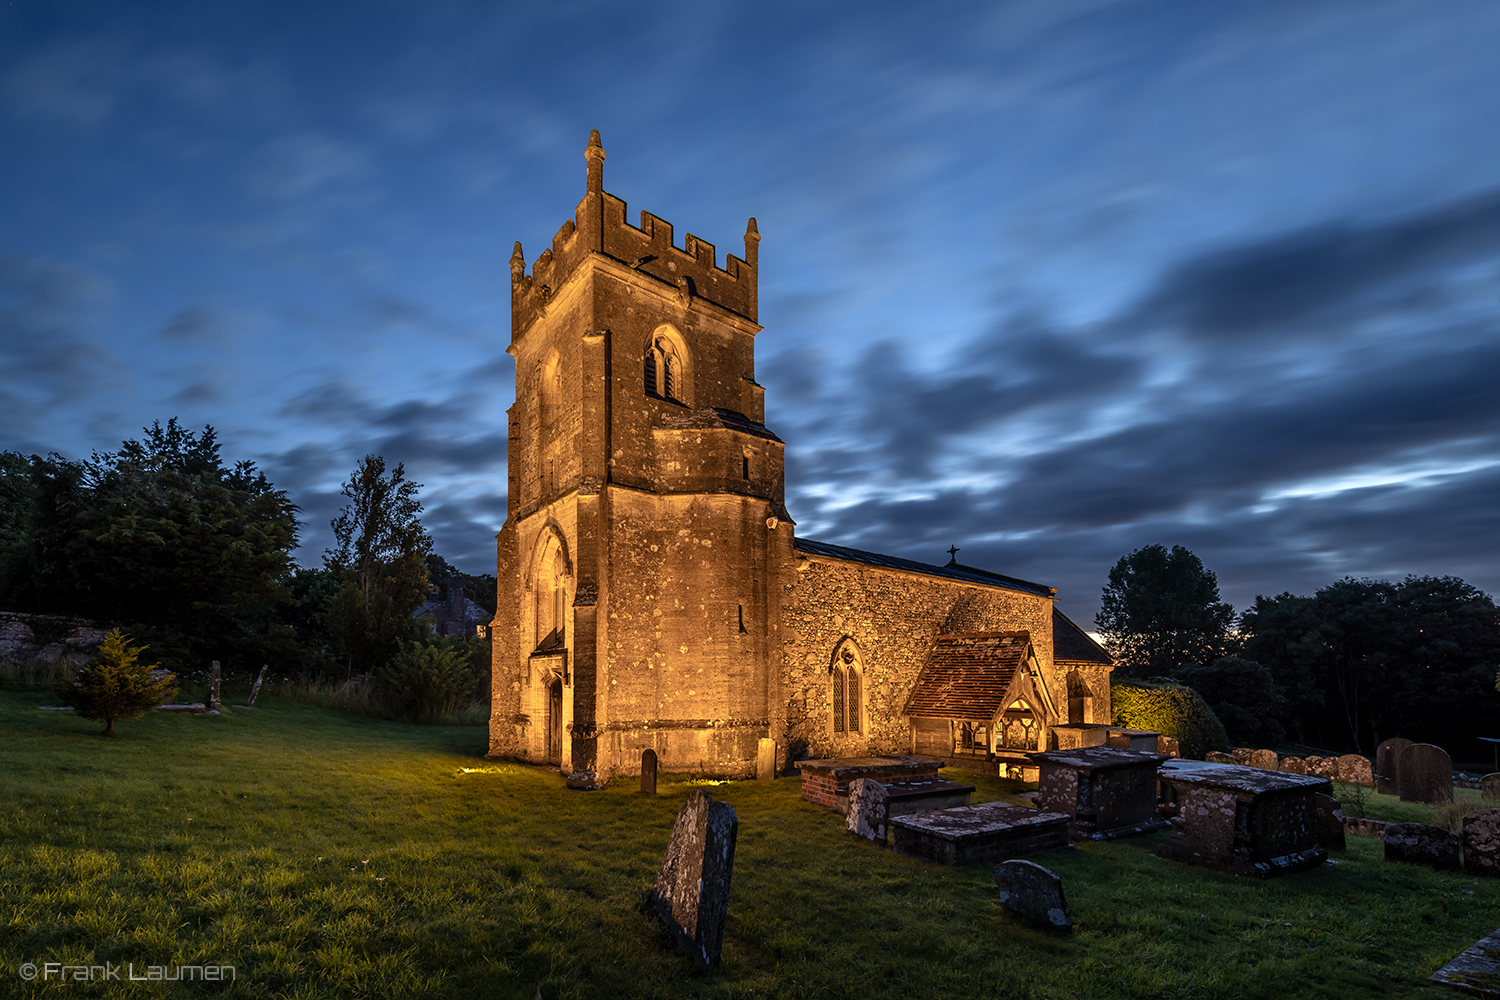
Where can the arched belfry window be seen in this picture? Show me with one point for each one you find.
(663, 370)
(550, 589)
(847, 674)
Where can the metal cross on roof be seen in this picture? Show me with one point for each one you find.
(953, 555)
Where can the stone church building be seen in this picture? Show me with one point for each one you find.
(653, 592)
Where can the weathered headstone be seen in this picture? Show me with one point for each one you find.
(1033, 893)
(1241, 755)
(1168, 746)
(1219, 757)
(1266, 760)
(1330, 822)
(255, 688)
(765, 760)
(1323, 767)
(1489, 786)
(1424, 774)
(1387, 780)
(691, 894)
(648, 772)
(213, 687)
(1421, 844)
(1293, 765)
(1354, 769)
(1481, 840)
(869, 809)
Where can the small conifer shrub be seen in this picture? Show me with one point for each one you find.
(114, 684)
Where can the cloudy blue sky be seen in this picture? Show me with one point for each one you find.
(1050, 280)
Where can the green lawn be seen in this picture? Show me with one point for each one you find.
(326, 855)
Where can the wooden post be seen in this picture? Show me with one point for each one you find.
(213, 687)
(255, 688)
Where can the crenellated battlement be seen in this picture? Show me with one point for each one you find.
(599, 226)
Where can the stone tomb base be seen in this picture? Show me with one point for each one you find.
(1242, 820)
(978, 833)
(826, 782)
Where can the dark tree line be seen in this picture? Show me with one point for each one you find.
(1355, 663)
(192, 556)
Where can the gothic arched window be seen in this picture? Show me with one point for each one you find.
(551, 588)
(663, 370)
(847, 675)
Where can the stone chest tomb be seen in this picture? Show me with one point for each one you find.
(978, 833)
(826, 782)
(1242, 820)
(1107, 791)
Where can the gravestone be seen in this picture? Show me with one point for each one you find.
(213, 687)
(1481, 840)
(691, 894)
(1387, 781)
(1266, 760)
(1218, 757)
(1489, 786)
(1323, 767)
(1241, 755)
(1421, 844)
(1354, 769)
(1424, 774)
(1167, 746)
(765, 760)
(255, 688)
(1330, 822)
(1033, 893)
(648, 772)
(1294, 765)
(869, 810)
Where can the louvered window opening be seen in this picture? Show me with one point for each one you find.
(662, 371)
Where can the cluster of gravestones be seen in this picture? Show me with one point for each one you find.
(1351, 768)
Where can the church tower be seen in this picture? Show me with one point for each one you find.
(641, 558)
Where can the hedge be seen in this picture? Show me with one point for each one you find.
(1170, 709)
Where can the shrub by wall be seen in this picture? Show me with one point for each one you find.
(1170, 709)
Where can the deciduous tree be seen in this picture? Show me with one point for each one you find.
(1161, 612)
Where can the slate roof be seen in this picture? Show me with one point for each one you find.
(1071, 644)
(715, 418)
(952, 571)
(968, 676)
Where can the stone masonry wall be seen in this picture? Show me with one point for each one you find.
(895, 618)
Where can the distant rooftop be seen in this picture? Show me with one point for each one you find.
(952, 571)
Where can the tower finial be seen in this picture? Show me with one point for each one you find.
(595, 156)
(752, 243)
(517, 263)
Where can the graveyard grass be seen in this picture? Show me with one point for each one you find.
(328, 855)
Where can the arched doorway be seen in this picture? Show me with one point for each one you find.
(554, 719)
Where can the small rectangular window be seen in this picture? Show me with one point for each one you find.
(745, 466)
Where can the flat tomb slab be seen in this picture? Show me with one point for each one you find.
(907, 797)
(1475, 971)
(978, 833)
(826, 782)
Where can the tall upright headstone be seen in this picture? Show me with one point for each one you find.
(1424, 774)
(255, 688)
(213, 687)
(765, 760)
(1387, 781)
(648, 772)
(869, 810)
(691, 894)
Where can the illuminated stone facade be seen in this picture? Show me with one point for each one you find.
(652, 592)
